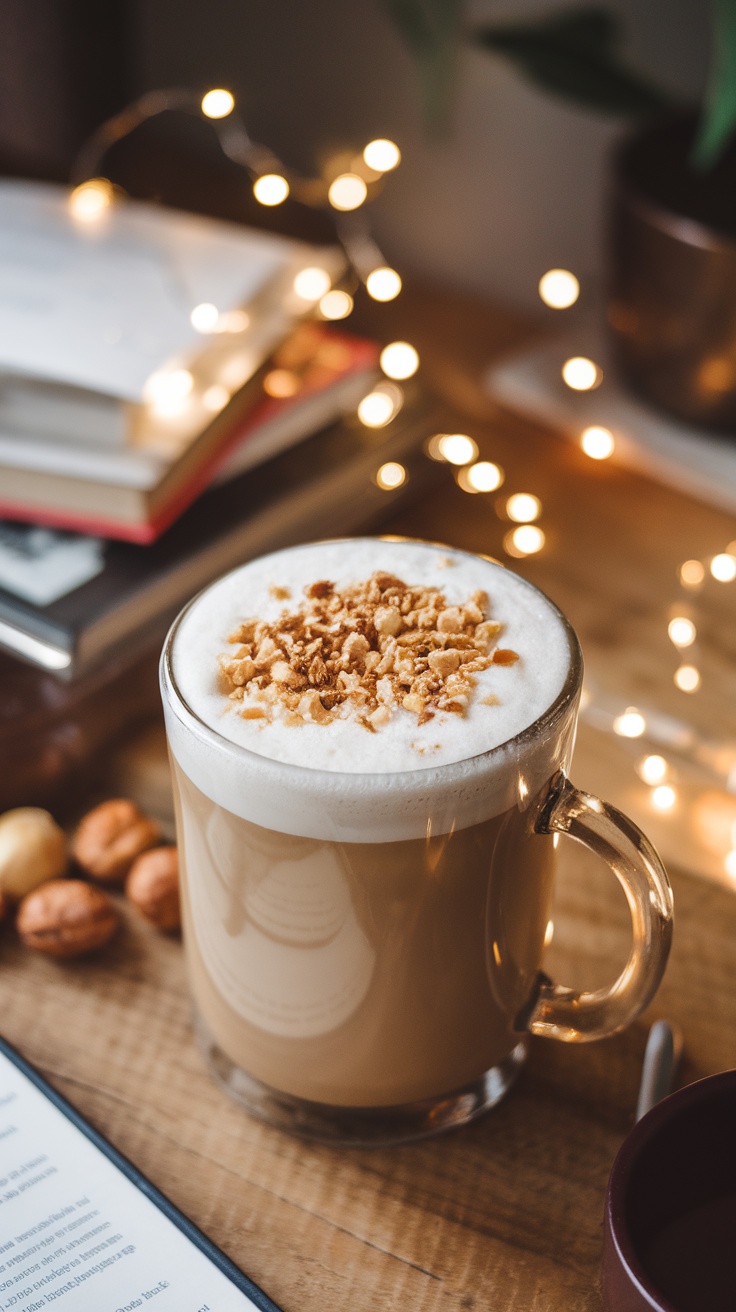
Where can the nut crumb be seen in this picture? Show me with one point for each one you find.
(367, 652)
(279, 594)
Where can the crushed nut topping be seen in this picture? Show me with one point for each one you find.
(364, 652)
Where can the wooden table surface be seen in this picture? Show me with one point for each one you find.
(505, 1213)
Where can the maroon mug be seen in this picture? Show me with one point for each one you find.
(670, 1222)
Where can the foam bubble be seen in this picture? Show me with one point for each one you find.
(308, 778)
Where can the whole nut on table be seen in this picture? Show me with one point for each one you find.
(153, 887)
(110, 837)
(32, 850)
(66, 918)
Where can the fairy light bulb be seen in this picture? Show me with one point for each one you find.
(382, 155)
(311, 284)
(457, 448)
(523, 508)
(399, 360)
(483, 476)
(168, 391)
(681, 631)
(652, 770)
(390, 476)
(271, 189)
(663, 797)
(526, 540)
(91, 200)
(336, 305)
(204, 317)
(723, 567)
(380, 406)
(559, 289)
(347, 192)
(687, 678)
(630, 724)
(597, 442)
(383, 284)
(581, 374)
(218, 103)
(692, 574)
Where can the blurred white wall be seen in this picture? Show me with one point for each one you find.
(515, 187)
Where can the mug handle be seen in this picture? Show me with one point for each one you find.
(562, 1013)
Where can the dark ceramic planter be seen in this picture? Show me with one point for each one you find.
(672, 276)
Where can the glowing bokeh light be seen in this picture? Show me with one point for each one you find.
(379, 407)
(525, 540)
(681, 631)
(390, 475)
(281, 383)
(483, 476)
(167, 391)
(581, 374)
(729, 865)
(652, 770)
(271, 189)
(347, 192)
(91, 200)
(664, 797)
(723, 567)
(382, 155)
(218, 103)
(215, 398)
(559, 288)
(204, 317)
(457, 448)
(383, 284)
(692, 573)
(399, 360)
(311, 284)
(630, 724)
(336, 305)
(687, 678)
(523, 508)
(597, 442)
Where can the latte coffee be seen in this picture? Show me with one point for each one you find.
(363, 735)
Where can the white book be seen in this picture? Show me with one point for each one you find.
(98, 307)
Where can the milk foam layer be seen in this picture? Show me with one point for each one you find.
(329, 781)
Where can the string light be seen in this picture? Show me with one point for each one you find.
(687, 678)
(729, 864)
(379, 407)
(233, 321)
(681, 631)
(399, 360)
(630, 724)
(347, 192)
(455, 448)
(336, 305)
(204, 317)
(390, 475)
(90, 200)
(215, 398)
(525, 540)
(581, 374)
(723, 567)
(218, 103)
(311, 284)
(382, 155)
(523, 508)
(383, 284)
(597, 442)
(692, 573)
(663, 797)
(271, 189)
(559, 288)
(652, 769)
(483, 476)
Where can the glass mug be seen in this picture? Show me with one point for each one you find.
(365, 951)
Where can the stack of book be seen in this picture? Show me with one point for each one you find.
(169, 406)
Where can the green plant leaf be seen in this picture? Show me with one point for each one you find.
(718, 121)
(576, 55)
(431, 30)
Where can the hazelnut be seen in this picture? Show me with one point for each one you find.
(66, 917)
(153, 887)
(110, 837)
(32, 850)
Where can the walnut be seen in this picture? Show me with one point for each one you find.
(110, 837)
(66, 918)
(153, 887)
(32, 850)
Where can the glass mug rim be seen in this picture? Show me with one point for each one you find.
(547, 721)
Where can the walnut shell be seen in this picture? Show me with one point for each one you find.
(32, 850)
(110, 837)
(153, 887)
(66, 918)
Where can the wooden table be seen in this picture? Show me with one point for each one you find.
(506, 1213)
